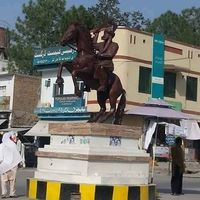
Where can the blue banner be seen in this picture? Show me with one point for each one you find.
(157, 85)
(53, 55)
(68, 101)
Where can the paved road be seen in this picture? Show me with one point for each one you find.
(191, 186)
(22, 175)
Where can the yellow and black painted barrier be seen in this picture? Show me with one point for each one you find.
(52, 190)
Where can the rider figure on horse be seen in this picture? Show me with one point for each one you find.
(106, 50)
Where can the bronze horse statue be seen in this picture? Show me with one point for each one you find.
(83, 67)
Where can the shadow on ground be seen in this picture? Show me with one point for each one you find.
(185, 191)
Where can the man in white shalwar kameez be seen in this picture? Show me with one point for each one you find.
(9, 160)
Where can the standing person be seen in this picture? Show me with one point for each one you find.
(9, 160)
(178, 167)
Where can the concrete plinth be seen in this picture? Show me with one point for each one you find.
(94, 156)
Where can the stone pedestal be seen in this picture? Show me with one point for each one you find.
(94, 155)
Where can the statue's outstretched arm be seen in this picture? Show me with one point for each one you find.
(96, 34)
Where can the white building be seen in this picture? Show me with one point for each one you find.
(6, 90)
(19, 95)
(47, 62)
(49, 88)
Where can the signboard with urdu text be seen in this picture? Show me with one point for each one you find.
(53, 55)
(157, 85)
(68, 101)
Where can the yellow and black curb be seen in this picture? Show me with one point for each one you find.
(52, 190)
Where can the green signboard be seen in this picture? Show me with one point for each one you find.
(175, 105)
(157, 85)
(53, 55)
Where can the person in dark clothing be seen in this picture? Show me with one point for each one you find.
(178, 167)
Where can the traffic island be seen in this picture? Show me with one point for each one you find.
(92, 161)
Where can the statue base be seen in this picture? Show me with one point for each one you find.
(54, 190)
(93, 157)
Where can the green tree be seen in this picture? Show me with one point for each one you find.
(81, 15)
(173, 26)
(108, 10)
(135, 19)
(40, 27)
(105, 10)
(192, 16)
(44, 22)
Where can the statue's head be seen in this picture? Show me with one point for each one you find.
(109, 32)
(70, 35)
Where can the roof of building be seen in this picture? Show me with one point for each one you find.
(151, 34)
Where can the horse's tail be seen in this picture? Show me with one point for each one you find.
(120, 109)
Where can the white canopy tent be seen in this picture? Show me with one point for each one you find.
(158, 109)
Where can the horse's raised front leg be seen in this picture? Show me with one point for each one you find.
(59, 79)
(76, 86)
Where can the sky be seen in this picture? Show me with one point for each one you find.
(11, 9)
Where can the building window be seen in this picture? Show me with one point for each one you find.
(57, 91)
(188, 53)
(2, 90)
(191, 89)
(134, 41)
(169, 84)
(131, 38)
(47, 83)
(2, 87)
(144, 80)
(191, 54)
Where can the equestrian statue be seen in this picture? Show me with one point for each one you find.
(94, 66)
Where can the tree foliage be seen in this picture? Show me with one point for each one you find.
(108, 10)
(79, 14)
(44, 22)
(192, 16)
(39, 28)
(184, 27)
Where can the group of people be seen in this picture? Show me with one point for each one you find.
(10, 158)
